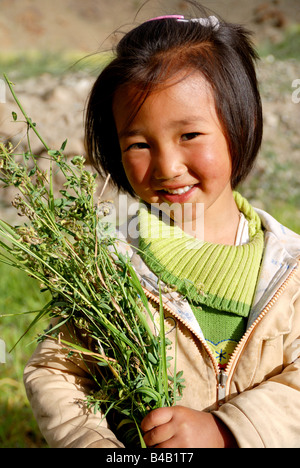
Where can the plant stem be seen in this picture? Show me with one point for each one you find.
(163, 344)
(28, 120)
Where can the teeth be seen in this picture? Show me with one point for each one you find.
(180, 191)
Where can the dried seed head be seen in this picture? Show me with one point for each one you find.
(105, 208)
(17, 201)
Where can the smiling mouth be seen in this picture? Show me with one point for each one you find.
(179, 191)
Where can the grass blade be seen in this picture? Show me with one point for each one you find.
(163, 353)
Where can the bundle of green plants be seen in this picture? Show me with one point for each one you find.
(64, 244)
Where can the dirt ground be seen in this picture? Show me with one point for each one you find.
(84, 25)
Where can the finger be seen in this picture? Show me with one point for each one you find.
(159, 435)
(155, 418)
(170, 443)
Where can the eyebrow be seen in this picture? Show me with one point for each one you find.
(127, 132)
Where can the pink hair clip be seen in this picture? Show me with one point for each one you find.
(177, 17)
(210, 21)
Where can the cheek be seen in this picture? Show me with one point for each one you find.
(213, 164)
(213, 169)
(136, 170)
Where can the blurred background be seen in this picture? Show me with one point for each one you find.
(53, 50)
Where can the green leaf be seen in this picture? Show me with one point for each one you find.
(62, 148)
(123, 422)
(53, 153)
(32, 172)
(149, 392)
(152, 358)
(102, 364)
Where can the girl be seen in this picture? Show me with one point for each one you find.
(176, 120)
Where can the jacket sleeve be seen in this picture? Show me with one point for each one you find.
(57, 386)
(268, 416)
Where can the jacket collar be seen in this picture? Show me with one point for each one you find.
(281, 256)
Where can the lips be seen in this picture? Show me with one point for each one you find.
(178, 194)
(179, 191)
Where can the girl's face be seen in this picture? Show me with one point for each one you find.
(174, 151)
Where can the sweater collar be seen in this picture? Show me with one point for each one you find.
(222, 277)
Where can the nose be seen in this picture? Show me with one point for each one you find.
(168, 164)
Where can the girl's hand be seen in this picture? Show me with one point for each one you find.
(180, 427)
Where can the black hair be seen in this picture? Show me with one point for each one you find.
(157, 50)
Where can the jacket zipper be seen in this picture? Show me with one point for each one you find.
(222, 376)
(233, 360)
(156, 300)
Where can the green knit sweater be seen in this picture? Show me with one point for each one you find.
(219, 281)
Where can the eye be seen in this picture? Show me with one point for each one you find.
(190, 136)
(137, 146)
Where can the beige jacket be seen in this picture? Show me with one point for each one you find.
(258, 395)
